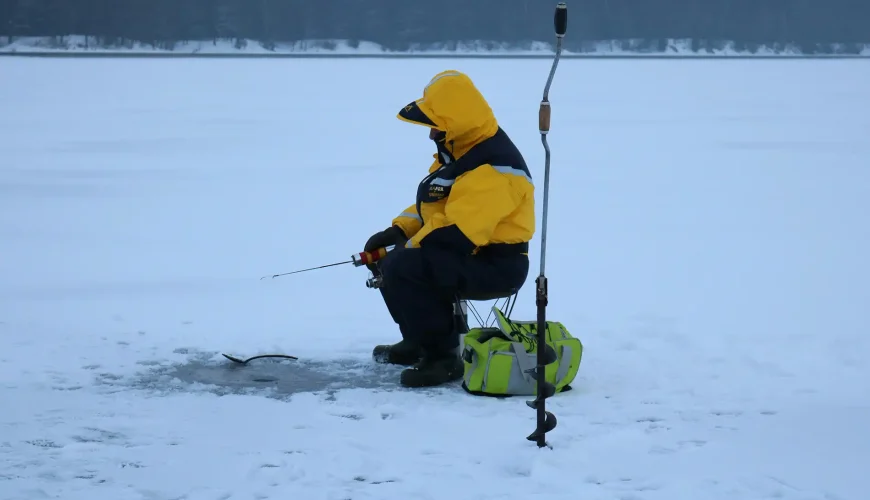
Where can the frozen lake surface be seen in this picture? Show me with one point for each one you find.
(708, 243)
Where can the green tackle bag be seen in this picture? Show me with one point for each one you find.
(496, 358)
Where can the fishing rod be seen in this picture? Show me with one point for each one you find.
(358, 259)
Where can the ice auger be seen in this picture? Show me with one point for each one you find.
(546, 421)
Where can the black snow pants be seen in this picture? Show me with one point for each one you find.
(421, 285)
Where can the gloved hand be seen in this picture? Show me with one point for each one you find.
(390, 236)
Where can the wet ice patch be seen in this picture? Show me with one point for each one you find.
(273, 377)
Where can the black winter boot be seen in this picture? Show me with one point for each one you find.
(402, 353)
(432, 371)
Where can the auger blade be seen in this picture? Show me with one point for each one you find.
(550, 355)
(533, 372)
(548, 391)
(549, 424)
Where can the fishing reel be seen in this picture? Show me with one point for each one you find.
(375, 282)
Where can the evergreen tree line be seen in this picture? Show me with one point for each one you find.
(811, 26)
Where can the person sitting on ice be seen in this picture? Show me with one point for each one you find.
(467, 234)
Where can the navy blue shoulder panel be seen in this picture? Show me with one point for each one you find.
(498, 151)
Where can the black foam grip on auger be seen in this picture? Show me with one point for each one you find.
(560, 19)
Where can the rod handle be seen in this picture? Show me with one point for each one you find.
(560, 19)
(363, 258)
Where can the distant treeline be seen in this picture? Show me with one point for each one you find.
(808, 26)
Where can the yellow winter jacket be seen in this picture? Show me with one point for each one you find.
(479, 190)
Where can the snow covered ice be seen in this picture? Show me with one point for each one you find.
(708, 242)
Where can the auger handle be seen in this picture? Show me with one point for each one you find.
(365, 258)
(544, 117)
(560, 19)
(560, 23)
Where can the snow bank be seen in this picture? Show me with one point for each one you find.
(350, 48)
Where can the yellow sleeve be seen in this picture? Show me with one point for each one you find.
(478, 201)
(409, 221)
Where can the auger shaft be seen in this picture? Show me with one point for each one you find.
(546, 421)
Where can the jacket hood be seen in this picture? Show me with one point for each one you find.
(453, 104)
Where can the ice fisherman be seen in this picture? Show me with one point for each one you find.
(467, 235)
